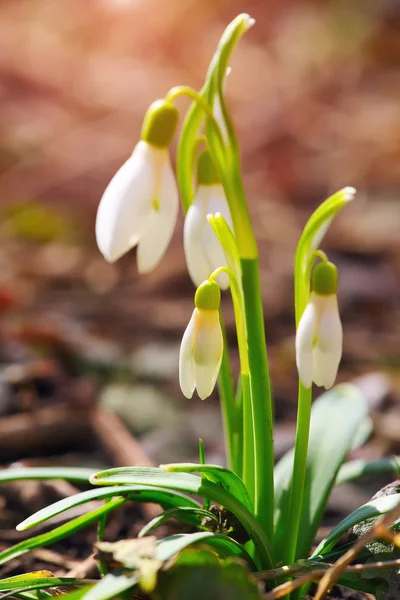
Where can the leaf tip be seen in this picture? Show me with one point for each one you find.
(348, 193)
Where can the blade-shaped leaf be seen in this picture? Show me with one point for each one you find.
(355, 469)
(335, 419)
(222, 544)
(229, 480)
(60, 532)
(77, 474)
(34, 581)
(139, 493)
(187, 514)
(110, 586)
(192, 484)
(371, 509)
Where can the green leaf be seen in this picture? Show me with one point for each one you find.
(219, 582)
(77, 474)
(222, 544)
(335, 418)
(76, 594)
(139, 493)
(196, 556)
(59, 533)
(363, 468)
(145, 556)
(374, 508)
(187, 514)
(34, 581)
(192, 484)
(110, 587)
(224, 477)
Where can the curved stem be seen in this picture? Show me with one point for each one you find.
(321, 255)
(183, 90)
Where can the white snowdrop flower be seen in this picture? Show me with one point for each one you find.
(319, 337)
(202, 344)
(140, 205)
(203, 250)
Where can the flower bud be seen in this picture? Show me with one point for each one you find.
(319, 337)
(202, 344)
(208, 296)
(160, 123)
(324, 279)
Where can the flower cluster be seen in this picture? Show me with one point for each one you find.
(140, 208)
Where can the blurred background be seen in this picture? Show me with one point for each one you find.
(314, 92)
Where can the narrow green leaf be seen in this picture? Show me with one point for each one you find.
(229, 480)
(110, 587)
(77, 594)
(77, 474)
(187, 514)
(222, 544)
(33, 581)
(363, 468)
(374, 508)
(335, 419)
(60, 532)
(138, 493)
(192, 484)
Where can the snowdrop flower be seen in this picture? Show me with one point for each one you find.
(140, 204)
(319, 335)
(203, 251)
(202, 344)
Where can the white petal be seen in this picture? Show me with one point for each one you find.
(196, 260)
(214, 251)
(304, 345)
(124, 209)
(186, 364)
(154, 243)
(328, 350)
(208, 350)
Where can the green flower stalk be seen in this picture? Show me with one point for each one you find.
(307, 250)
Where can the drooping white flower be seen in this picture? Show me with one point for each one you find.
(140, 205)
(202, 344)
(319, 337)
(203, 251)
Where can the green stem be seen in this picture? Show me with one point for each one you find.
(238, 427)
(248, 438)
(183, 90)
(299, 473)
(228, 407)
(261, 399)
